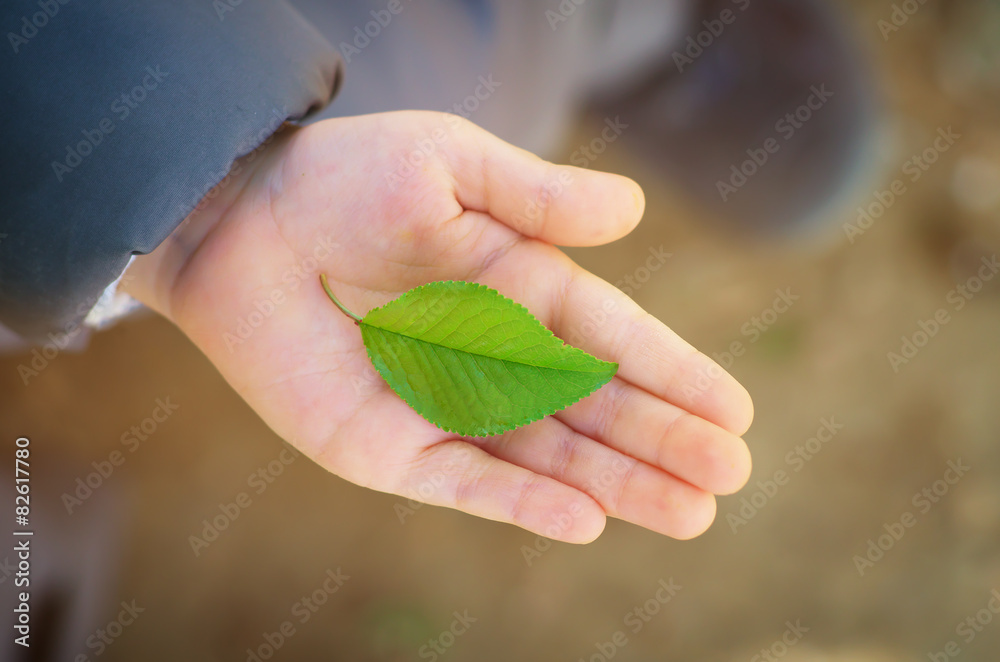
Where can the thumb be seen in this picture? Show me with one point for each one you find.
(555, 203)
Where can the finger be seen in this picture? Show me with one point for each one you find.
(403, 454)
(555, 203)
(626, 488)
(459, 475)
(645, 427)
(589, 313)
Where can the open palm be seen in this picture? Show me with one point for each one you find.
(651, 447)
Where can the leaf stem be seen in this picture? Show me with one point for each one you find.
(329, 293)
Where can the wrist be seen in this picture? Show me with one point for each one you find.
(151, 278)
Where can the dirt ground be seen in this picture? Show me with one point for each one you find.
(783, 563)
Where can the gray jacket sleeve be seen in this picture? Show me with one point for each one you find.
(117, 117)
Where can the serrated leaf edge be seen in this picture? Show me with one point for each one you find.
(488, 289)
(481, 431)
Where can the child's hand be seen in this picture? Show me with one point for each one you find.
(651, 447)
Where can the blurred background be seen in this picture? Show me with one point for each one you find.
(833, 552)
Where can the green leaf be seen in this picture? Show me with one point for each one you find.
(473, 362)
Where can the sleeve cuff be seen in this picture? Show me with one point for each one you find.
(112, 305)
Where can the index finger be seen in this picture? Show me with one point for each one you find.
(559, 204)
(590, 313)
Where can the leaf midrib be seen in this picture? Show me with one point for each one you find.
(602, 365)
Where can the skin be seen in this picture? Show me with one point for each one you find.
(644, 448)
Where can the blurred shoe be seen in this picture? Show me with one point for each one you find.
(765, 113)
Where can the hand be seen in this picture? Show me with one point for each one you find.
(650, 447)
